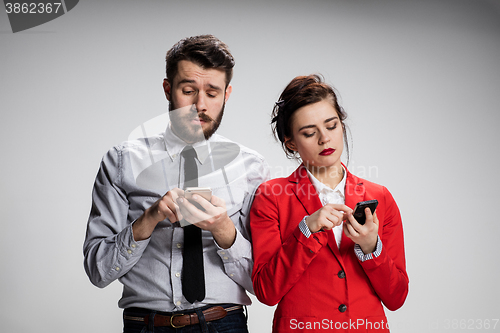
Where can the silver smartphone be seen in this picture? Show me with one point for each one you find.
(205, 192)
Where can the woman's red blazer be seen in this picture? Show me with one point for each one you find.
(316, 285)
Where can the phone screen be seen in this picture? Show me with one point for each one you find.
(359, 210)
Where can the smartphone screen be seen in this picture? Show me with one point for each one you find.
(359, 210)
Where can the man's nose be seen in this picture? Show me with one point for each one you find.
(200, 103)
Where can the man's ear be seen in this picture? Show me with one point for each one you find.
(167, 88)
(290, 144)
(229, 90)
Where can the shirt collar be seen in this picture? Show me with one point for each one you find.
(174, 145)
(324, 189)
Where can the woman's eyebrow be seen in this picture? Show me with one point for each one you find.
(306, 126)
(326, 121)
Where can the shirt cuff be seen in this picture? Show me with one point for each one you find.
(129, 250)
(240, 248)
(130, 245)
(363, 257)
(304, 228)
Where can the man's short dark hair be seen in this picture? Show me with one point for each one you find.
(207, 51)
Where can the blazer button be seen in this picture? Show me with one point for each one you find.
(343, 308)
(341, 274)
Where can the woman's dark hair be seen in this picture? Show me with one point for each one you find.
(206, 51)
(302, 91)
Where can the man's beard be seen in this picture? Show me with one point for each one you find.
(181, 123)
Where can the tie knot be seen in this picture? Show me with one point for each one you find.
(188, 152)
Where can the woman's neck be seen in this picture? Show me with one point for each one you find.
(330, 176)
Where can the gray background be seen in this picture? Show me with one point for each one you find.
(420, 81)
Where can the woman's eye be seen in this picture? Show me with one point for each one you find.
(308, 135)
(332, 128)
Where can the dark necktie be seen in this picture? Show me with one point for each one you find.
(193, 275)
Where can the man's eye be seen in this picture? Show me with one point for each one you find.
(188, 92)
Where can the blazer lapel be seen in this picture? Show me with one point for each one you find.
(308, 197)
(304, 190)
(354, 193)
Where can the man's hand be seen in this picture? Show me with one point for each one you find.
(163, 208)
(213, 219)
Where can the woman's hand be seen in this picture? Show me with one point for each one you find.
(364, 235)
(327, 217)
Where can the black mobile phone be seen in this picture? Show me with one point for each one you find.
(359, 210)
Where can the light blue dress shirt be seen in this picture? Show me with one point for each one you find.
(131, 178)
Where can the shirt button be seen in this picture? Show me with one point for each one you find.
(133, 246)
(231, 274)
(179, 245)
(117, 269)
(225, 258)
(341, 274)
(223, 252)
(178, 303)
(343, 308)
(177, 274)
(129, 251)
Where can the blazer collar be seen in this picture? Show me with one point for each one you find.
(354, 190)
(306, 193)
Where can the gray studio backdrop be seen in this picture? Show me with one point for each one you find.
(420, 81)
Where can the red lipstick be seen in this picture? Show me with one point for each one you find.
(327, 151)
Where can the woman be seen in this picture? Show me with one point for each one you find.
(311, 257)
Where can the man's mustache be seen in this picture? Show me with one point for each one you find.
(201, 115)
(205, 118)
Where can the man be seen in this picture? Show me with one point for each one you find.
(183, 263)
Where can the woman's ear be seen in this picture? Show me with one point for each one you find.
(290, 144)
